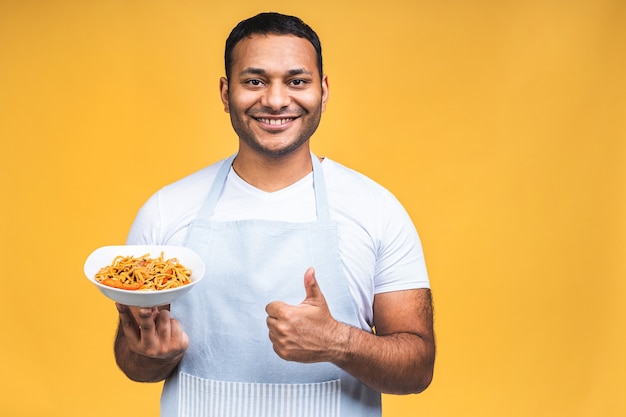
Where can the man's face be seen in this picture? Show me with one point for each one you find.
(274, 96)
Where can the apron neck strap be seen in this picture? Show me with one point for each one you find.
(319, 187)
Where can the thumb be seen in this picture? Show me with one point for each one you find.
(313, 293)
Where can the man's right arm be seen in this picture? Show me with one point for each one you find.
(149, 344)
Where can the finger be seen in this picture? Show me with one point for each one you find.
(147, 313)
(126, 318)
(147, 321)
(273, 308)
(163, 325)
(271, 322)
(170, 333)
(169, 329)
(177, 334)
(127, 322)
(313, 292)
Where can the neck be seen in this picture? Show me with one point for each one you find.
(273, 173)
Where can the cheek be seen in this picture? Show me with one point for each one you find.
(313, 102)
(241, 100)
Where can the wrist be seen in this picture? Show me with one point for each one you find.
(342, 348)
(149, 369)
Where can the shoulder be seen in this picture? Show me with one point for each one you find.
(166, 214)
(341, 174)
(362, 207)
(353, 191)
(200, 180)
(186, 194)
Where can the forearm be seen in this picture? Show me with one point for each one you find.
(399, 363)
(142, 368)
(398, 359)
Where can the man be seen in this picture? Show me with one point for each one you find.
(316, 297)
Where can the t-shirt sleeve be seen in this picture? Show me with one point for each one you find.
(146, 227)
(400, 258)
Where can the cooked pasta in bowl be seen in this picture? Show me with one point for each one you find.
(144, 275)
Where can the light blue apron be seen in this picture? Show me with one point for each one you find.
(230, 368)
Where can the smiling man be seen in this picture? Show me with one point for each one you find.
(275, 97)
(274, 94)
(316, 297)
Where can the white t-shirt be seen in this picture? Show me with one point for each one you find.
(379, 247)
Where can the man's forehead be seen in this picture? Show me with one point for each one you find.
(262, 47)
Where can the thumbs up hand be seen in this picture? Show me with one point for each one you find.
(306, 332)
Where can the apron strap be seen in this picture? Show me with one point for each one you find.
(319, 188)
(208, 206)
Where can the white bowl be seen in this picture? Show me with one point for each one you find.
(104, 256)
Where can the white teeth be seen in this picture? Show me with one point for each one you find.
(275, 121)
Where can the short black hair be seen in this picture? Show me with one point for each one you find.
(271, 23)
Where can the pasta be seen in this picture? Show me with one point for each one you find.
(144, 273)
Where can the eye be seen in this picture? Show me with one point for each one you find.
(254, 82)
(298, 82)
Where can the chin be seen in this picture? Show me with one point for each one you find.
(276, 149)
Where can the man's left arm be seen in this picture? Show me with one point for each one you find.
(398, 359)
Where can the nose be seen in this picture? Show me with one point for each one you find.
(276, 97)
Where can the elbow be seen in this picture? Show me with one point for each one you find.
(425, 369)
(425, 374)
(420, 377)
(423, 382)
(416, 385)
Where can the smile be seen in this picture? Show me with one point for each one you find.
(275, 122)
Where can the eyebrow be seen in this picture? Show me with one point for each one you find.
(261, 71)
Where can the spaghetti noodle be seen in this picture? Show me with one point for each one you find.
(144, 273)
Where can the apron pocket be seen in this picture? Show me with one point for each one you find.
(199, 397)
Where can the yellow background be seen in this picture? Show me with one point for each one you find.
(501, 125)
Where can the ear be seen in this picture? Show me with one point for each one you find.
(224, 93)
(325, 92)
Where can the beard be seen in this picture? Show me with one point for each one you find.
(281, 146)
